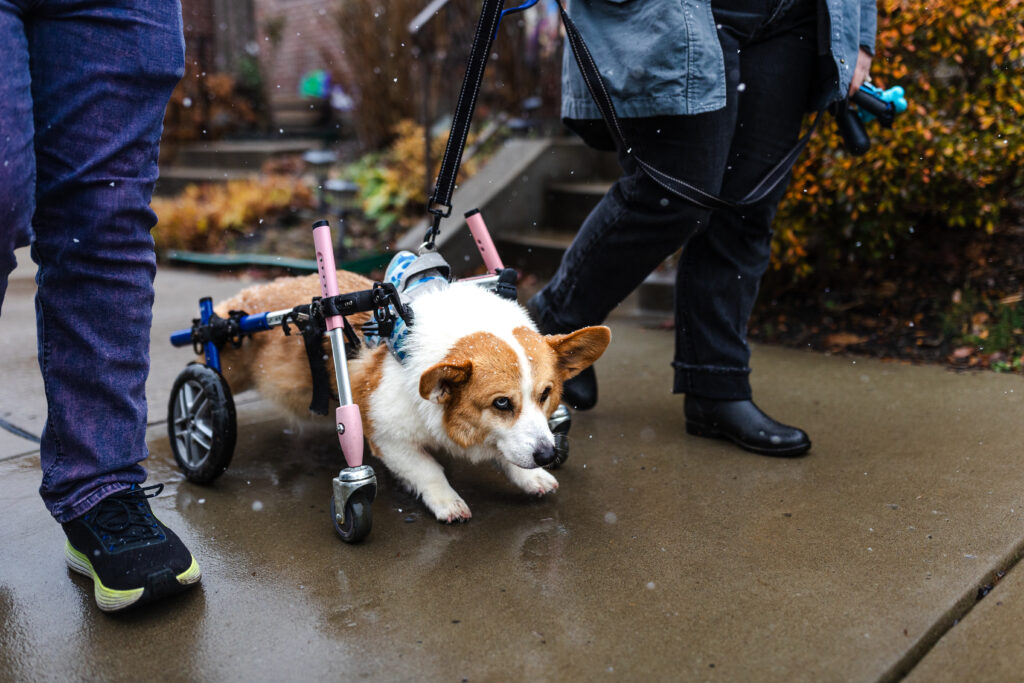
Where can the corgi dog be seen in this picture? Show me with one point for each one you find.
(476, 380)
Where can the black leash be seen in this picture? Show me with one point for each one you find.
(439, 204)
(680, 188)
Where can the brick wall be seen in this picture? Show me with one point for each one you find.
(308, 40)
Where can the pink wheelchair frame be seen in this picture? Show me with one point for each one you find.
(201, 413)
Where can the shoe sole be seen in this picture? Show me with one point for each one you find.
(698, 429)
(157, 585)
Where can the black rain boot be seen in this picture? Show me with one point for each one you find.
(580, 392)
(745, 425)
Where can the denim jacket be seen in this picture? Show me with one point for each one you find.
(662, 57)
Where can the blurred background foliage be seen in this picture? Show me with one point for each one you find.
(916, 249)
(392, 181)
(396, 75)
(955, 159)
(917, 242)
(209, 106)
(206, 217)
(396, 79)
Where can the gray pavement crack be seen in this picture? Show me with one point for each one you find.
(956, 614)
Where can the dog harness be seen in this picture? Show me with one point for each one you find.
(413, 276)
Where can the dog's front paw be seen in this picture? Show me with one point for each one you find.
(447, 508)
(535, 481)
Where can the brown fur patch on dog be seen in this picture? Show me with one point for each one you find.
(365, 373)
(270, 361)
(478, 369)
(546, 376)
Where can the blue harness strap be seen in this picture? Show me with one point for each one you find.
(412, 276)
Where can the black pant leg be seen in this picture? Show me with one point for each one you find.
(721, 268)
(637, 224)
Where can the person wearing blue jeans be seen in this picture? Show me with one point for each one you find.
(713, 93)
(83, 90)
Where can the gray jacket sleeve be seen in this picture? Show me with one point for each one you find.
(868, 25)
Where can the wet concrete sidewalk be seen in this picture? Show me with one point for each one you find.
(661, 557)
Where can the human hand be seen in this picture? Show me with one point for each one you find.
(860, 72)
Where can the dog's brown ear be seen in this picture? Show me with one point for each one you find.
(578, 350)
(439, 382)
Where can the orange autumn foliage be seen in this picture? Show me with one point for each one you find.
(205, 217)
(955, 158)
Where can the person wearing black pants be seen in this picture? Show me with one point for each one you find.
(775, 65)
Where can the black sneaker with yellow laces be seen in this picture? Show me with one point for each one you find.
(129, 554)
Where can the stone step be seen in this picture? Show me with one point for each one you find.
(294, 116)
(570, 203)
(298, 110)
(246, 155)
(595, 188)
(655, 295)
(537, 252)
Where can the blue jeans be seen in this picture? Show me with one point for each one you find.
(771, 48)
(82, 98)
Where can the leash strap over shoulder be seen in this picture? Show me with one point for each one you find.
(680, 188)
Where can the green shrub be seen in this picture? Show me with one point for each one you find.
(990, 329)
(391, 182)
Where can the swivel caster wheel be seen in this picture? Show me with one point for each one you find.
(201, 423)
(358, 517)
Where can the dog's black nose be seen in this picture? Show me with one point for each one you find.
(544, 455)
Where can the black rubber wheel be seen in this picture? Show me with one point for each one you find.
(201, 423)
(560, 422)
(358, 518)
(561, 450)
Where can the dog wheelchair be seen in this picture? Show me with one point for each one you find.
(201, 420)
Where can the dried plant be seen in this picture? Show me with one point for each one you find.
(204, 217)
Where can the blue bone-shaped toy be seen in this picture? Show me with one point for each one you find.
(874, 103)
(870, 103)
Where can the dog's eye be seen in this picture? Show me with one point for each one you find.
(545, 394)
(502, 403)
